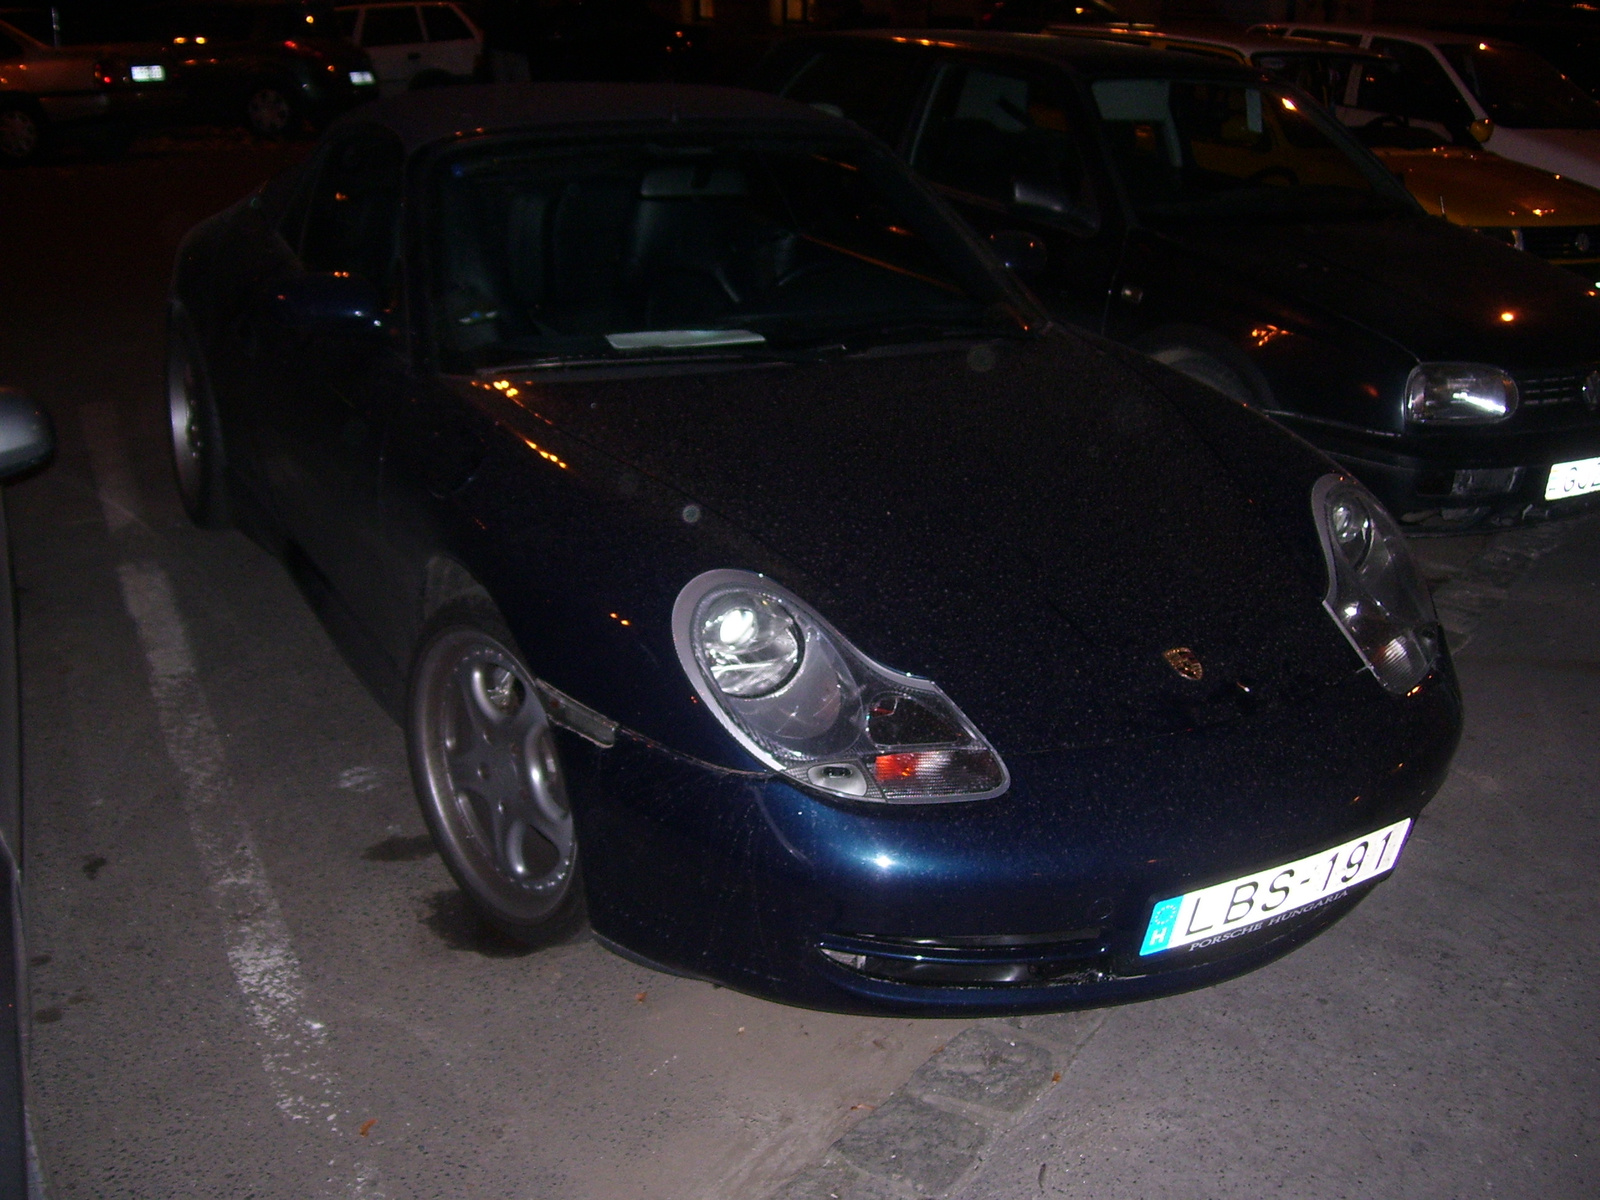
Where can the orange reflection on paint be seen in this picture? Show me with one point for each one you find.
(543, 453)
(1262, 334)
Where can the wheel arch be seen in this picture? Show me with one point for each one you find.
(1167, 342)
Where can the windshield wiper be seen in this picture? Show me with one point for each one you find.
(683, 339)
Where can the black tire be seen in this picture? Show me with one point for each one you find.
(489, 778)
(198, 461)
(1207, 369)
(22, 134)
(271, 110)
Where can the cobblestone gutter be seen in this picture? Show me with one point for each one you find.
(929, 1137)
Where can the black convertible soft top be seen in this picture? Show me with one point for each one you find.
(437, 114)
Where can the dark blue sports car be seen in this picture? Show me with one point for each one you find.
(761, 575)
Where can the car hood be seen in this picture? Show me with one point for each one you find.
(1469, 187)
(1574, 153)
(1031, 525)
(1437, 292)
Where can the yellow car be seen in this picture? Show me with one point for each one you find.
(1557, 219)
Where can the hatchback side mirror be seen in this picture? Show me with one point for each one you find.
(1056, 205)
(1021, 252)
(26, 436)
(333, 303)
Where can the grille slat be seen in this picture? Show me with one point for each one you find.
(1542, 389)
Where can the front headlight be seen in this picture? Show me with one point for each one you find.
(1375, 595)
(804, 701)
(1459, 394)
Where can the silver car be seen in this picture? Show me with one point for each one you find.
(88, 93)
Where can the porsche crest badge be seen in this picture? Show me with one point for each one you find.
(1184, 661)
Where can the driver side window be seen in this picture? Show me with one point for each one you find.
(1415, 87)
(1008, 139)
(353, 217)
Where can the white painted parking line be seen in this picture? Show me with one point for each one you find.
(259, 949)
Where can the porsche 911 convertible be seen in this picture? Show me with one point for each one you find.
(761, 577)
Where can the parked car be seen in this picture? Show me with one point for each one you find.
(91, 94)
(414, 45)
(272, 65)
(26, 442)
(1533, 210)
(753, 562)
(609, 40)
(1032, 16)
(1565, 35)
(1505, 96)
(1220, 222)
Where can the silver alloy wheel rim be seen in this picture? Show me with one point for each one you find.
(268, 111)
(19, 134)
(188, 439)
(493, 775)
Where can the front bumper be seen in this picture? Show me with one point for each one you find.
(1034, 901)
(1453, 484)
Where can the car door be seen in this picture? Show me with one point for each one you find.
(392, 35)
(1009, 147)
(1410, 89)
(452, 43)
(327, 385)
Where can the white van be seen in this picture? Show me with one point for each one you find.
(1514, 102)
(414, 45)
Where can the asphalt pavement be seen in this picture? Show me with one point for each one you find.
(251, 976)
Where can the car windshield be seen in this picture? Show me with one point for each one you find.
(691, 245)
(1224, 149)
(1520, 90)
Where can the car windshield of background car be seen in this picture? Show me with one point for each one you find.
(1520, 90)
(1210, 149)
(683, 245)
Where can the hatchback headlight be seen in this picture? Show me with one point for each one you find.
(1459, 394)
(804, 701)
(1375, 594)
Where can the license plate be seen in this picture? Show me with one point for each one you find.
(1571, 479)
(1224, 909)
(148, 74)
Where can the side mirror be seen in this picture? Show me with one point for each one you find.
(1020, 252)
(1055, 205)
(335, 303)
(26, 437)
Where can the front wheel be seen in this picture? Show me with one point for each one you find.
(269, 111)
(21, 135)
(196, 430)
(1207, 369)
(489, 778)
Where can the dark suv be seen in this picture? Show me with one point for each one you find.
(1220, 222)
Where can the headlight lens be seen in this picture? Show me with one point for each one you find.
(804, 701)
(1375, 595)
(750, 644)
(1459, 394)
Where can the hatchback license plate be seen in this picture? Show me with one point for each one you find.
(1569, 479)
(1224, 909)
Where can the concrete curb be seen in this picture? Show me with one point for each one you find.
(928, 1138)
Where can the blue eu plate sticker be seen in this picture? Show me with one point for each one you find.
(1162, 921)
